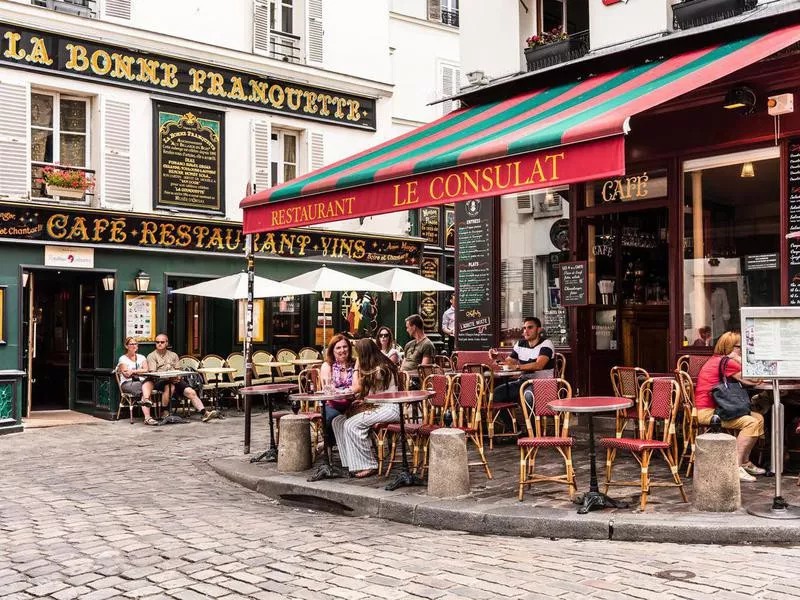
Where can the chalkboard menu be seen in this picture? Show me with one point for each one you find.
(475, 314)
(794, 221)
(573, 283)
(429, 301)
(429, 224)
(188, 155)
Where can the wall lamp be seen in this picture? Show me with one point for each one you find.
(25, 275)
(326, 295)
(108, 282)
(740, 98)
(142, 281)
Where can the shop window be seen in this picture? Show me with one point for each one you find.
(731, 241)
(59, 136)
(283, 156)
(533, 242)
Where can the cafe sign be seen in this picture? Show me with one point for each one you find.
(146, 232)
(77, 57)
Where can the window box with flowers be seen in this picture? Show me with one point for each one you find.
(65, 182)
(552, 47)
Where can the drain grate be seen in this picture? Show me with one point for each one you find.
(315, 503)
(675, 575)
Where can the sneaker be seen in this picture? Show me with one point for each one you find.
(753, 470)
(208, 415)
(745, 476)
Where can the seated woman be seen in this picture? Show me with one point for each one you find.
(130, 365)
(385, 341)
(336, 372)
(374, 373)
(750, 427)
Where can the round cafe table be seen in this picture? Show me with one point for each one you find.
(216, 372)
(171, 374)
(266, 391)
(402, 397)
(593, 499)
(506, 375)
(307, 362)
(326, 470)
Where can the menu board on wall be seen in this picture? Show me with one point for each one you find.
(140, 316)
(794, 221)
(769, 342)
(429, 301)
(429, 224)
(475, 314)
(573, 283)
(189, 157)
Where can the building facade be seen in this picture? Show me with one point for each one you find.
(129, 132)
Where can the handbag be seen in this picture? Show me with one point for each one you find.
(731, 398)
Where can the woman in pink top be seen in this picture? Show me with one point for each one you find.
(750, 427)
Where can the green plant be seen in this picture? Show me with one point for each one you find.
(66, 178)
(557, 34)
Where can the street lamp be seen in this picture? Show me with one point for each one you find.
(142, 281)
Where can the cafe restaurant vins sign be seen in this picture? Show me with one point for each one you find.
(126, 230)
(75, 57)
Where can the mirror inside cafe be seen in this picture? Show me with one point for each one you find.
(666, 270)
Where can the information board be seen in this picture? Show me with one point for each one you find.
(793, 184)
(429, 301)
(140, 316)
(430, 224)
(475, 312)
(770, 348)
(574, 289)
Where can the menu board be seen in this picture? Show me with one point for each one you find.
(555, 325)
(475, 314)
(140, 316)
(573, 283)
(794, 221)
(429, 301)
(429, 224)
(188, 158)
(769, 342)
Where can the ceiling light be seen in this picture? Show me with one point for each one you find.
(747, 170)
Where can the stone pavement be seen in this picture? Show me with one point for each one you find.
(113, 510)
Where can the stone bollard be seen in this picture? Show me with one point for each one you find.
(294, 447)
(448, 473)
(716, 474)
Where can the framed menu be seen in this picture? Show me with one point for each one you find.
(769, 342)
(430, 224)
(140, 316)
(574, 286)
(258, 320)
(793, 181)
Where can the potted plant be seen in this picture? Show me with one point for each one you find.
(692, 13)
(546, 48)
(65, 182)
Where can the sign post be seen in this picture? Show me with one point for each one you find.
(770, 351)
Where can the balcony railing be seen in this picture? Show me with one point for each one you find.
(284, 46)
(81, 8)
(540, 57)
(450, 17)
(39, 191)
(693, 13)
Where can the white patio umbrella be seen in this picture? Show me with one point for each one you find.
(325, 281)
(234, 287)
(398, 281)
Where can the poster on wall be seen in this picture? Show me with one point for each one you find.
(429, 224)
(449, 227)
(189, 158)
(769, 342)
(258, 320)
(429, 301)
(140, 316)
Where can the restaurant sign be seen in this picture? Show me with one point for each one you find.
(76, 57)
(146, 232)
(508, 174)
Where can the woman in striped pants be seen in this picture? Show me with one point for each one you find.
(373, 373)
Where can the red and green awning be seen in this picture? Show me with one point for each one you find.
(552, 136)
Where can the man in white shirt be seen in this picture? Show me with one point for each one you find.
(533, 355)
(449, 323)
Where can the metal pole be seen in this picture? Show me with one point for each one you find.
(777, 443)
(248, 336)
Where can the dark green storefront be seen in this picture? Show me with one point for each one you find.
(78, 327)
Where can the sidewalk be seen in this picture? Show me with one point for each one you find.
(492, 506)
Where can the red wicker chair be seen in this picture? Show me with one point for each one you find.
(468, 398)
(494, 409)
(626, 382)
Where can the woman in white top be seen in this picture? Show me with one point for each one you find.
(130, 365)
(385, 341)
(374, 372)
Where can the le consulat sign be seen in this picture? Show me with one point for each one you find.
(75, 57)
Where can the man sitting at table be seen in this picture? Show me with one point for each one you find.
(534, 355)
(162, 359)
(419, 351)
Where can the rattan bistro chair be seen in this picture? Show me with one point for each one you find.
(469, 396)
(126, 400)
(627, 382)
(560, 365)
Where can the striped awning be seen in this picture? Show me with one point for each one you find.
(552, 136)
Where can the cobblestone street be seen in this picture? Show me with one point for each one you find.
(112, 510)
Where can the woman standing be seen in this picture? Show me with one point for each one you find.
(337, 372)
(750, 427)
(385, 341)
(130, 365)
(374, 373)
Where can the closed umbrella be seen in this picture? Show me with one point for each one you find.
(325, 281)
(398, 281)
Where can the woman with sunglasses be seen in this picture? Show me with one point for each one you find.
(385, 341)
(130, 366)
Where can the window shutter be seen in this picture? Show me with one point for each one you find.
(115, 169)
(261, 10)
(449, 78)
(260, 132)
(315, 32)
(316, 151)
(15, 175)
(121, 9)
(435, 10)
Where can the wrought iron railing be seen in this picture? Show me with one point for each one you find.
(284, 46)
(540, 57)
(39, 189)
(694, 13)
(81, 8)
(450, 17)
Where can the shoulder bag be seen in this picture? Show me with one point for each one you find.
(731, 398)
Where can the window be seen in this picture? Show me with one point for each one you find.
(450, 12)
(59, 134)
(83, 8)
(570, 15)
(281, 16)
(283, 156)
(731, 243)
(284, 44)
